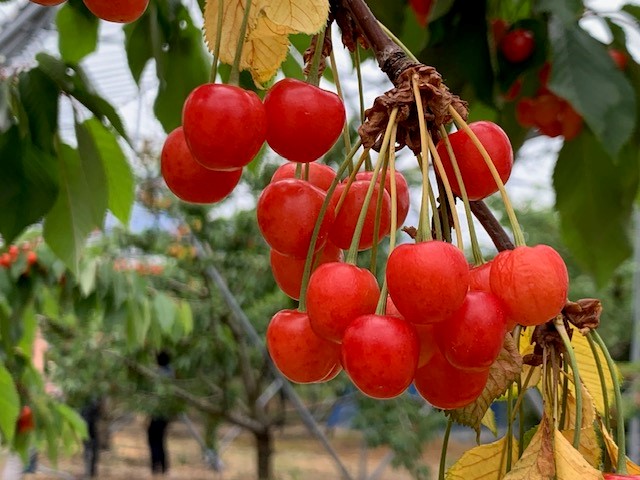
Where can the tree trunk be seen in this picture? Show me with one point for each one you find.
(264, 447)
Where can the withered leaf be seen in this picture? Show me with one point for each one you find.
(537, 462)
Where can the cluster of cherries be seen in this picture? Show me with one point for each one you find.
(13, 253)
(443, 323)
(119, 11)
(224, 127)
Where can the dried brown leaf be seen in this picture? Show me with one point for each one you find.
(537, 461)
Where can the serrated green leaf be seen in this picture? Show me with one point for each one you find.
(585, 75)
(594, 196)
(78, 32)
(28, 184)
(164, 309)
(79, 209)
(95, 141)
(38, 96)
(9, 405)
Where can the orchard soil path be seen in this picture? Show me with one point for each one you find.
(297, 456)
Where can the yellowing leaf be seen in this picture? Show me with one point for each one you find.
(588, 408)
(269, 24)
(484, 462)
(489, 421)
(589, 447)
(570, 465)
(589, 370)
(304, 16)
(504, 371)
(536, 462)
(612, 450)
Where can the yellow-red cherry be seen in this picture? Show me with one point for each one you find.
(119, 11)
(303, 121)
(189, 180)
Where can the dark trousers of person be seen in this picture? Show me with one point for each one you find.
(156, 435)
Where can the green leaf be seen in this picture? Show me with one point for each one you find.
(38, 96)
(79, 209)
(78, 31)
(182, 64)
(138, 322)
(88, 276)
(568, 11)
(95, 141)
(594, 196)
(9, 405)
(165, 311)
(73, 419)
(185, 317)
(5, 111)
(28, 184)
(138, 44)
(584, 74)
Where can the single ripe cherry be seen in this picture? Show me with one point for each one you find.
(25, 422)
(619, 58)
(402, 191)
(525, 109)
(475, 173)
(421, 9)
(287, 271)
(301, 355)
(337, 294)
(319, 175)
(517, 45)
(303, 121)
(346, 218)
(380, 354)
(447, 387)
(287, 211)
(48, 3)
(532, 282)
(472, 337)
(119, 11)
(427, 281)
(225, 125)
(619, 476)
(189, 180)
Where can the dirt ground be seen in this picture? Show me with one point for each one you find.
(297, 456)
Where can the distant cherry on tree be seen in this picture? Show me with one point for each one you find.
(518, 45)
(119, 11)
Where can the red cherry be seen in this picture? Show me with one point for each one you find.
(337, 294)
(479, 278)
(421, 9)
(14, 251)
(619, 58)
(120, 11)
(25, 422)
(189, 180)
(547, 108)
(474, 171)
(391, 309)
(319, 175)
(402, 191)
(333, 373)
(428, 345)
(447, 387)
(380, 354)
(614, 476)
(524, 112)
(532, 282)
(303, 121)
(514, 90)
(571, 122)
(288, 271)
(472, 337)
(345, 223)
(32, 257)
(427, 281)
(517, 45)
(287, 212)
(48, 3)
(225, 126)
(301, 355)
(5, 260)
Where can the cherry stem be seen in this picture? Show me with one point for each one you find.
(350, 179)
(353, 248)
(436, 213)
(234, 76)
(577, 382)
(360, 85)
(376, 223)
(603, 381)
(565, 395)
(302, 306)
(475, 247)
(314, 72)
(523, 389)
(424, 228)
(443, 452)
(336, 76)
(620, 438)
(216, 48)
(517, 231)
(509, 428)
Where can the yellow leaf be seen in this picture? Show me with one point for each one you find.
(589, 370)
(570, 465)
(304, 16)
(589, 447)
(612, 449)
(484, 462)
(489, 421)
(588, 408)
(536, 462)
(269, 24)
